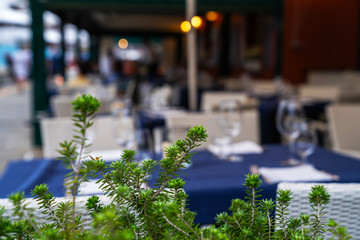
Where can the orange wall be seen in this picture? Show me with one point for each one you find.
(327, 31)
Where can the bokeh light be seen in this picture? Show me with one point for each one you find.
(196, 21)
(59, 80)
(212, 16)
(185, 26)
(123, 43)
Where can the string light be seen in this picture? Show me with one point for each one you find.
(123, 43)
(185, 26)
(196, 21)
(212, 16)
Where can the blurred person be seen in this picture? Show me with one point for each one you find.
(81, 80)
(107, 67)
(93, 72)
(21, 65)
(9, 65)
(150, 59)
(125, 72)
(53, 59)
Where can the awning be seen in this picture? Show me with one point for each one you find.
(156, 16)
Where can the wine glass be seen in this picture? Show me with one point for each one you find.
(219, 139)
(304, 144)
(288, 117)
(229, 125)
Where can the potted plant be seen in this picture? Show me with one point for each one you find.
(140, 212)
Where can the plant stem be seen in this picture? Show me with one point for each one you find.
(77, 169)
(317, 226)
(187, 224)
(303, 231)
(148, 222)
(174, 226)
(236, 221)
(53, 213)
(30, 220)
(252, 207)
(269, 222)
(175, 169)
(283, 221)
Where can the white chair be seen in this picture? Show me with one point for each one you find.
(56, 130)
(263, 87)
(326, 78)
(61, 105)
(42, 218)
(211, 100)
(344, 130)
(233, 84)
(344, 206)
(160, 97)
(178, 124)
(345, 80)
(327, 93)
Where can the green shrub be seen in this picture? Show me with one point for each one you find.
(138, 212)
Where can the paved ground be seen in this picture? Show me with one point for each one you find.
(15, 127)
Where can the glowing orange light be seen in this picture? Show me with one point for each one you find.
(196, 21)
(212, 16)
(59, 81)
(123, 43)
(185, 26)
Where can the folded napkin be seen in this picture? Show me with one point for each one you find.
(107, 155)
(245, 147)
(90, 188)
(292, 174)
(93, 188)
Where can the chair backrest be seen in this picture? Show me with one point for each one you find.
(160, 97)
(61, 105)
(327, 93)
(56, 130)
(345, 80)
(343, 121)
(211, 100)
(344, 206)
(42, 218)
(263, 87)
(324, 77)
(178, 124)
(233, 84)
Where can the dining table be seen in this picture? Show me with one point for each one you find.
(267, 107)
(211, 183)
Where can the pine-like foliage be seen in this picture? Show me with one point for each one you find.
(140, 212)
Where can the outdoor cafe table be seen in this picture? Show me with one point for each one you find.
(210, 183)
(267, 113)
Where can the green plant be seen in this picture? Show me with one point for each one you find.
(140, 212)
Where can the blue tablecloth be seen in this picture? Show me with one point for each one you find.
(210, 183)
(25, 175)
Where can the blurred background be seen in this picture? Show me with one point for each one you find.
(126, 47)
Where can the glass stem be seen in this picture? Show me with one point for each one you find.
(222, 153)
(291, 148)
(304, 158)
